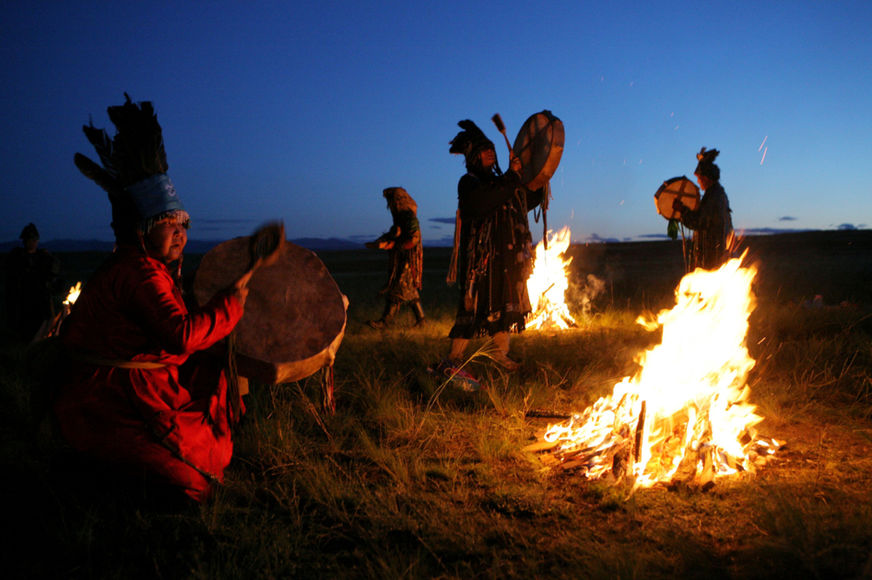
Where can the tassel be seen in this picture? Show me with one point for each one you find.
(451, 278)
(327, 384)
(233, 407)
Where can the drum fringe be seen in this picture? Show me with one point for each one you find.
(314, 411)
(328, 401)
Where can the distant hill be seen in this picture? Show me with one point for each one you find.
(193, 247)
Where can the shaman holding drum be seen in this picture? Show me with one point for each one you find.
(711, 221)
(493, 247)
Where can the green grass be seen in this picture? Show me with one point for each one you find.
(414, 479)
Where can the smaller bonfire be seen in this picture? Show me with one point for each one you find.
(548, 284)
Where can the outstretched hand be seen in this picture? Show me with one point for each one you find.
(380, 245)
(240, 287)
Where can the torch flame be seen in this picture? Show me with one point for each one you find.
(548, 283)
(73, 294)
(684, 415)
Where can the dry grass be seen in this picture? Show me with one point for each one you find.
(415, 479)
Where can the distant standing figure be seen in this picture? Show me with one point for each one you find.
(711, 221)
(406, 256)
(31, 279)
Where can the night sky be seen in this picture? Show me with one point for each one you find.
(305, 113)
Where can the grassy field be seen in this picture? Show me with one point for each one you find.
(415, 479)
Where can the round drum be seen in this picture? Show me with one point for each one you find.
(294, 316)
(539, 146)
(676, 188)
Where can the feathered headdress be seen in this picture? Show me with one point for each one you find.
(706, 164)
(470, 142)
(134, 169)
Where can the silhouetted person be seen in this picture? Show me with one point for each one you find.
(403, 242)
(494, 249)
(711, 221)
(31, 279)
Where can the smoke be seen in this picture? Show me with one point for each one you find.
(583, 294)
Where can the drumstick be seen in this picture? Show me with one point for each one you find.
(266, 243)
(501, 127)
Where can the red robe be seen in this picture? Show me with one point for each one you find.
(170, 422)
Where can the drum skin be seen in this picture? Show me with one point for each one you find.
(295, 314)
(539, 146)
(672, 189)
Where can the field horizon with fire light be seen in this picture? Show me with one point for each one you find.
(414, 479)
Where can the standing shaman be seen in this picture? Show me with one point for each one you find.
(711, 221)
(406, 257)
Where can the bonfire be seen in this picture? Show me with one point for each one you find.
(548, 283)
(684, 416)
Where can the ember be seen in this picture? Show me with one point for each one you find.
(548, 283)
(684, 416)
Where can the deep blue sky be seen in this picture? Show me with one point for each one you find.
(306, 112)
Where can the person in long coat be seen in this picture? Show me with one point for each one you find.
(494, 250)
(140, 393)
(405, 258)
(711, 221)
(32, 278)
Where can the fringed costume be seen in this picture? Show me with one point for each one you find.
(494, 248)
(405, 256)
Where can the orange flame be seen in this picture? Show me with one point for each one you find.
(73, 294)
(684, 415)
(548, 283)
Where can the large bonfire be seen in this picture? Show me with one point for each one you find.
(684, 416)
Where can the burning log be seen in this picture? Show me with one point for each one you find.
(544, 414)
(684, 416)
(640, 429)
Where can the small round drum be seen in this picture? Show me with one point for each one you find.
(294, 317)
(676, 188)
(539, 146)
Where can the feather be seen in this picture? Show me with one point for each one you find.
(102, 145)
(96, 173)
(136, 152)
(138, 148)
(707, 155)
(468, 139)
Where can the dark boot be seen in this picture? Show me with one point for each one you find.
(418, 310)
(391, 309)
